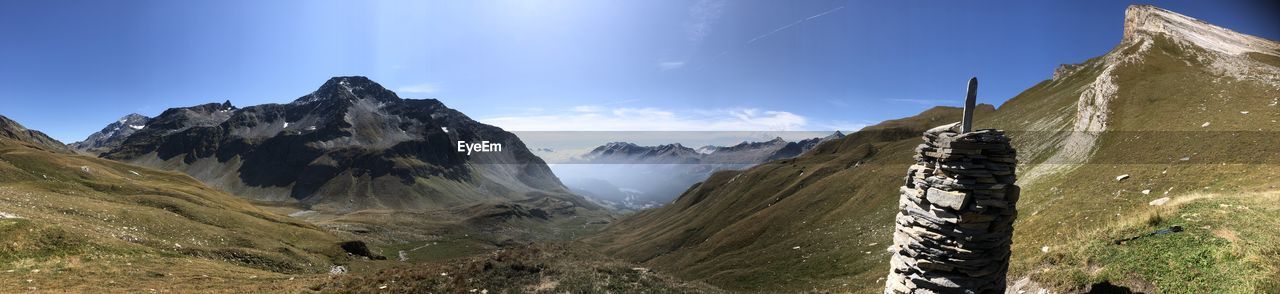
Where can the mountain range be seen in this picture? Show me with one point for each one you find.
(629, 177)
(742, 153)
(352, 188)
(351, 145)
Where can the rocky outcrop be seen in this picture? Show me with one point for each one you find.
(1064, 70)
(956, 214)
(1146, 21)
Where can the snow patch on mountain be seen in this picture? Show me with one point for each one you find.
(111, 135)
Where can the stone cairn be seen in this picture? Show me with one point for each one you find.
(956, 214)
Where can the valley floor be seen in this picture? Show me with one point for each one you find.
(568, 267)
(540, 268)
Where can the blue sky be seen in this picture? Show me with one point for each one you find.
(70, 67)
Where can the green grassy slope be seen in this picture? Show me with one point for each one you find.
(790, 224)
(88, 224)
(823, 220)
(1157, 135)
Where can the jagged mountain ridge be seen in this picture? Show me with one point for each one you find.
(793, 149)
(111, 135)
(347, 146)
(1170, 107)
(624, 152)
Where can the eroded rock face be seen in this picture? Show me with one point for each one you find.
(1145, 21)
(956, 215)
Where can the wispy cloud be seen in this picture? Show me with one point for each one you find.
(600, 118)
(702, 15)
(838, 102)
(670, 65)
(793, 24)
(419, 89)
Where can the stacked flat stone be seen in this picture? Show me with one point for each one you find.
(956, 214)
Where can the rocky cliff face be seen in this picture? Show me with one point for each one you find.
(1143, 22)
(350, 145)
(111, 135)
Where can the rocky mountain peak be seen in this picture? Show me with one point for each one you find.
(114, 133)
(1145, 21)
(133, 117)
(350, 88)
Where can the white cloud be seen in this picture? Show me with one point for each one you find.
(588, 108)
(670, 65)
(419, 89)
(598, 118)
